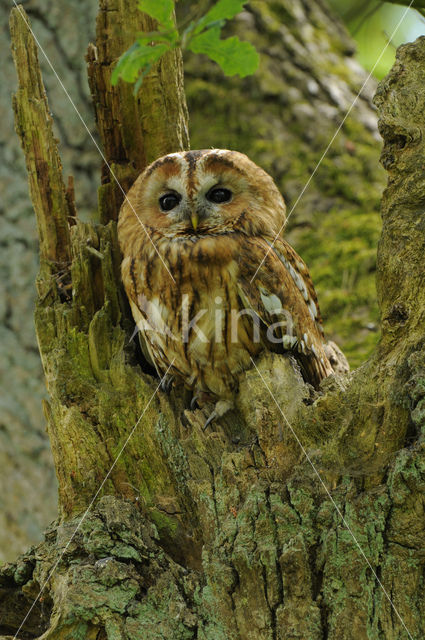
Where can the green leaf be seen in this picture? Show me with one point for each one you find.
(160, 10)
(136, 59)
(233, 56)
(171, 36)
(203, 36)
(223, 10)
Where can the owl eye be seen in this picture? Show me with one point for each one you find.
(168, 201)
(218, 195)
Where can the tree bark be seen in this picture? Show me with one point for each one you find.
(231, 533)
(133, 131)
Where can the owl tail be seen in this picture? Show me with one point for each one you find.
(314, 368)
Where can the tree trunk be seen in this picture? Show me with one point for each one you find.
(296, 516)
(283, 118)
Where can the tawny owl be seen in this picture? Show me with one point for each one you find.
(211, 281)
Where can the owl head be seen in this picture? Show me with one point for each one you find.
(208, 191)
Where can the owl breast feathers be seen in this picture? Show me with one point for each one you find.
(210, 280)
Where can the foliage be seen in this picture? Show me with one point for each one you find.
(201, 35)
(380, 27)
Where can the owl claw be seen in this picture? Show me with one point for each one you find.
(167, 383)
(221, 407)
(194, 403)
(210, 419)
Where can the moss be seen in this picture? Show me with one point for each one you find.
(166, 525)
(347, 294)
(78, 631)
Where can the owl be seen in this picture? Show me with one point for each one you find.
(210, 279)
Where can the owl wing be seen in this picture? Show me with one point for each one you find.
(140, 321)
(128, 271)
(301, 276)
(283, 298)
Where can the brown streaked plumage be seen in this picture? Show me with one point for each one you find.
(212, 216)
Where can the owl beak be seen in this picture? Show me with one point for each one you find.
(194, 218)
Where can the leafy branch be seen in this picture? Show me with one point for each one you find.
(199, 36)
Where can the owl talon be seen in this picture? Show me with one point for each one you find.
(194, 403)
(166, 384)
(221, 407)
(210, 419)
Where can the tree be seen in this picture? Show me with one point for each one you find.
(294, 103)
(228, 533)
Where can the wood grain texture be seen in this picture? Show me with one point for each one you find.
(33, 124)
